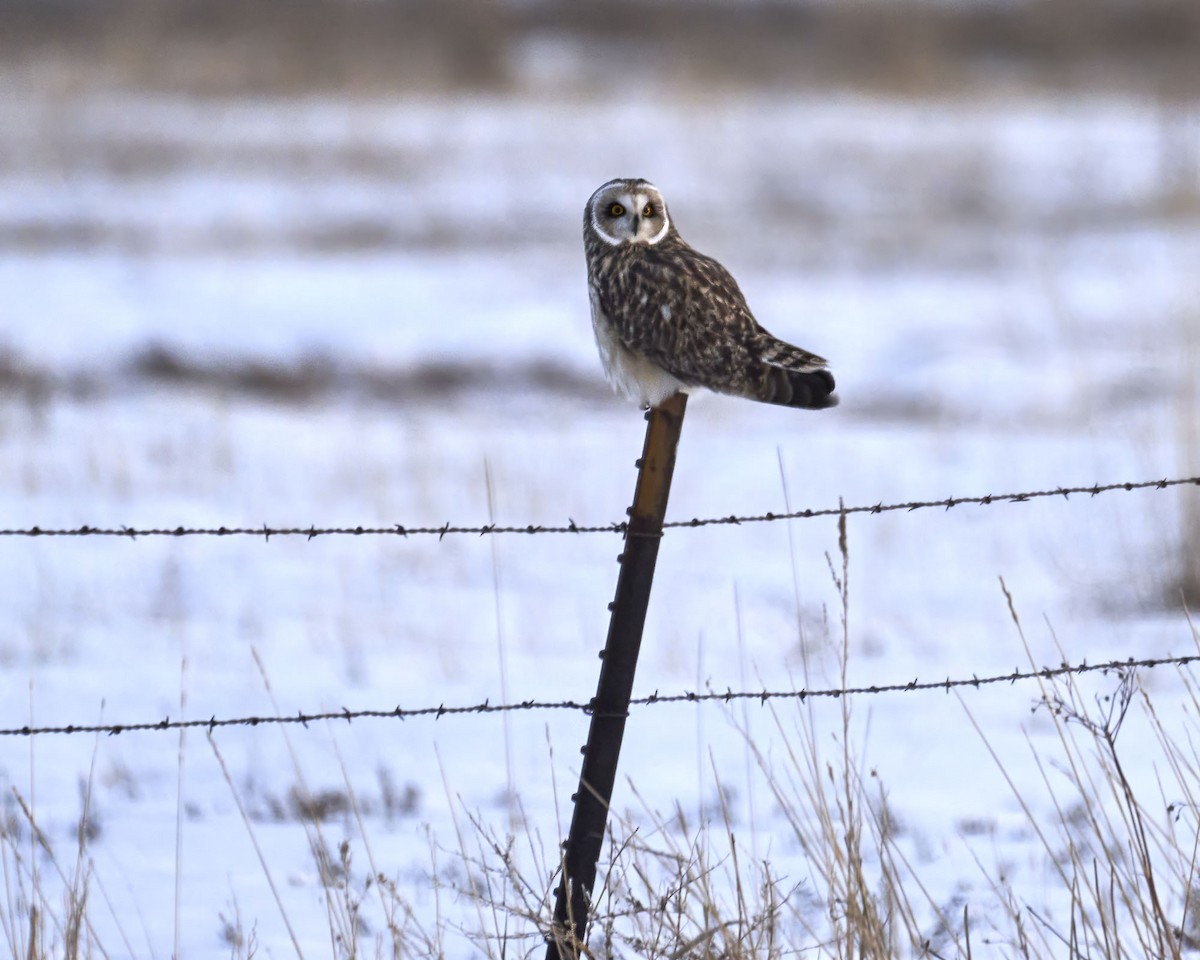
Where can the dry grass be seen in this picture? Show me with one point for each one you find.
(1125, 853)
(1127, 870)
(35, 925)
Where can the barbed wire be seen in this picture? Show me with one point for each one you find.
(400, 530)
(655, 699)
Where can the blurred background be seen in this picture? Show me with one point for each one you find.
(319, 262)
(197, 152)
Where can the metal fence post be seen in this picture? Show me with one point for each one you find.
(610, 707)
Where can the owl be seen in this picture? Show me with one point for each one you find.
(669, 318)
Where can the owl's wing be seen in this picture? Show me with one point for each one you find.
(683, 311)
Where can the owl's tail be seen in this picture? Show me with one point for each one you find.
(792, 377)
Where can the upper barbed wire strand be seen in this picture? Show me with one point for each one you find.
(312, 532)
(655, 699)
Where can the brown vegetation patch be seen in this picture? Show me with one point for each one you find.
(308, 379)
(283, 46)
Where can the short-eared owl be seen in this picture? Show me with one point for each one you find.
(668, 318)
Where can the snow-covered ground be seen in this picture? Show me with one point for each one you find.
(1006, 290)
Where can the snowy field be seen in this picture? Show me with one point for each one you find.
(1007, 292)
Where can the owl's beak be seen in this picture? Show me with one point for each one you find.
(637, 223)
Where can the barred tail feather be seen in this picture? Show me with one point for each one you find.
(792, 377)
(809, 389)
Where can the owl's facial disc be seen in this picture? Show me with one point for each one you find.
(629, 211)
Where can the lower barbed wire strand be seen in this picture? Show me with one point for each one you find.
(655, 699)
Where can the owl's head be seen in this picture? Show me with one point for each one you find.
(628, 211)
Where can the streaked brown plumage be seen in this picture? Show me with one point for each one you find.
(667, 317)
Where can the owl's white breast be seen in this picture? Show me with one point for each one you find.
(632, 375)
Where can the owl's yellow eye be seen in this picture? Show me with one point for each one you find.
(648, 211)
(616, 210)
